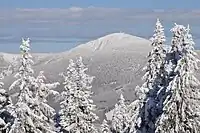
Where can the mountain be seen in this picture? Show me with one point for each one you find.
(116, 61)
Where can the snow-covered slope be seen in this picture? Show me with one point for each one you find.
(115, 41)
(115, 60)
(8, 58)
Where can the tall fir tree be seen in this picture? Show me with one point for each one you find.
(7, 113)
(175, 51)
(157, 56)
(120, 118)
(42, 109)
(155, 80)
(77, 108)
(25, 101)
(181, 109)
(69, 85)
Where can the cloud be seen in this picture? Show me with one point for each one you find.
(91, 22)
(77, 14)
(76, 9)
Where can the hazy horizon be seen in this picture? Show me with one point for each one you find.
(60, 26)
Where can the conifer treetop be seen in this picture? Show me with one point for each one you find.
(159, 36)
(178, 32)
(77, 108)
(25, 45)
(120, 118)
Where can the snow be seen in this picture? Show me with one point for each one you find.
(76, 103)
(10, 58)
(120, 118)
(105, 127)
(109, 115)
(33, 114)
(2, 123)
(7, 112)
(113, 67)
(154, 78)
(112, 42)
(180, 106)
(109, 54)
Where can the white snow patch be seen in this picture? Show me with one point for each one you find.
(109, 115)
(9, 57)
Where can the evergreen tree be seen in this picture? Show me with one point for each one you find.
(181, 109)
(43, 110)
(134, 110)
(77, 108)
(157, 56)
(120, 119)
(105, 127)
(175, 52)
(25, 102)
(155, 82)
(69, 87)
(7, 113)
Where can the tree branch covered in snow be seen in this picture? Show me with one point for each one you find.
(154, 80)
(105, 127)
(7, 113)
(43, 110)
(180, 112)
(77, 107)
(120, 119)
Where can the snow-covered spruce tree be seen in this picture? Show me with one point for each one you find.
(175, 51)
(157, 56)
(24, 123)
(134, 110)
(155, 82)
(7, 113)
(158, 59)
(105, 127)
(120, 118)
(69, 87)
(181, 109)
(77, 108)
(42, 109)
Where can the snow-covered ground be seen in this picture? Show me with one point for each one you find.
(116, 61)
